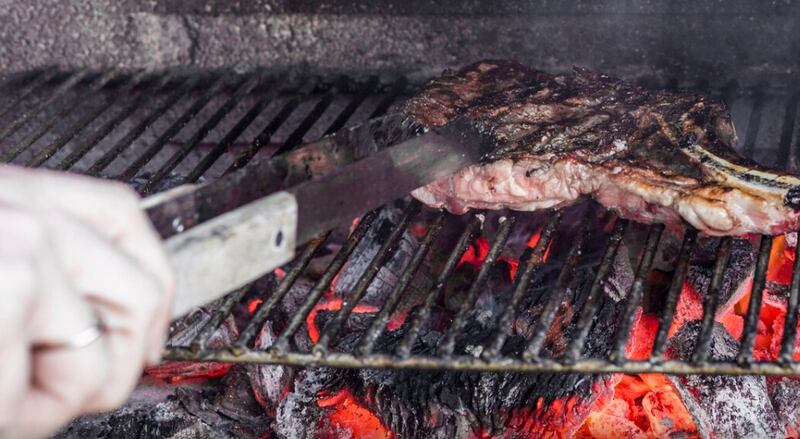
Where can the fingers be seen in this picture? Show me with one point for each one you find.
(64, 381)
(14, 378)
(113, 208)
(129, 298)
(19, 283)
(54, 384)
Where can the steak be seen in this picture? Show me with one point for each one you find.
(653, 156)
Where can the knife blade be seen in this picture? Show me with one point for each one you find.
(224, 234)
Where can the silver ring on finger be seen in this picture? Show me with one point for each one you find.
(78, 340)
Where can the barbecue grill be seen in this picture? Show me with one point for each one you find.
(156, 130)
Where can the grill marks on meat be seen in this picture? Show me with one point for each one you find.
(652, 156)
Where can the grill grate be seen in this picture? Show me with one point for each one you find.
(157, 130)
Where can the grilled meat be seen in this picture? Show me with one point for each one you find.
(652, 156)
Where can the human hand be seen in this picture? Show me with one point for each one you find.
(74, 251)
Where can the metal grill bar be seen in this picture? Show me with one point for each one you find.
(71, 81)
(424, 312)
(356, 101)
(468, 302)
(137, 131)
(784, 144)
(397, 89)
(266, 134)
(199, 342)
(319, 109)
(754, 123)
(635, 295)
(681, 268)
(554, 298)
(80, 150)
(376, 329)
(590, 308)
(360, 289)
(220, 148)
(282, 343)
(522, 282)
(62, 110)
(173, 129)
(711, 301)
(81, 124)
(37, 81)
(790, 335)
(754, 307)
(261, 314)
(242, 90)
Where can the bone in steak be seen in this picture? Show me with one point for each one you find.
(652, 156)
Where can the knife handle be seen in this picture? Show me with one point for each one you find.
(231, 250)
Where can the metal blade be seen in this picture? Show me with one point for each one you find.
(175, 211)
(387, 175)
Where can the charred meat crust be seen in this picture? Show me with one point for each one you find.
(652, 155)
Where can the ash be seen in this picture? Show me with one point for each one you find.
(724, 406)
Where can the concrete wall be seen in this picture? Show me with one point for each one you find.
(748, 41)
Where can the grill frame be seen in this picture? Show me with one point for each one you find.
(51, 95)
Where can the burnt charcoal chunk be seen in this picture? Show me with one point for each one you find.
(724, 406)
(784, 392)
(738, 272)
(447, 404)
(365, 252)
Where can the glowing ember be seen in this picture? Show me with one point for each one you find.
(690, 307)
(354, 223)
(534, 239)
(562, 418)
(646, 405)
(781, 260)
(333, 304)
(478, 250)
(476, 253)
(513, 266)
(349, 418)
(643, 335)
(397, 320)
(252, 305)
(419, 230)
(175, 371)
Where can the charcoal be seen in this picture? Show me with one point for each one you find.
(723, 406)
(527, 224)
(784, 392)
(619, 280)
(186, 329)
(268, 382)
(365, 252)
(162, 411)
(449, 404)
(229, 408)
(182, 333)
(498, 279)
(298, 415)
(739, 270)
(446, 404)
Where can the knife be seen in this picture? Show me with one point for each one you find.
(222, 235)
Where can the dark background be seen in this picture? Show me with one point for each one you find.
(749, 41)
